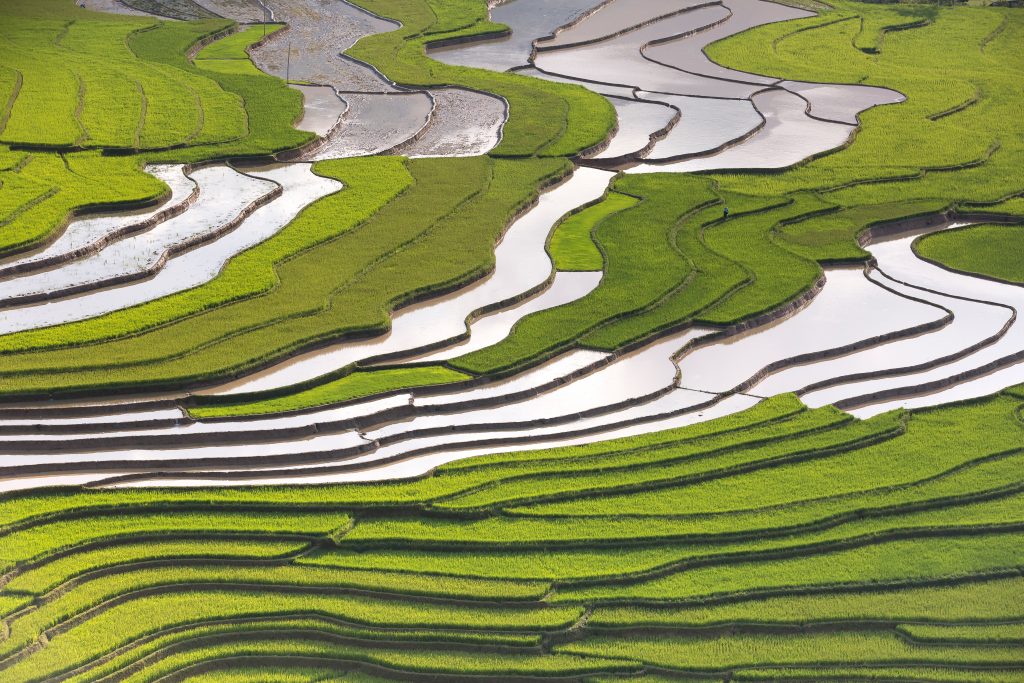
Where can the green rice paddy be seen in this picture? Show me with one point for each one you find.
(668, 260)
(780, 543)
(877, 566)
(988, 250)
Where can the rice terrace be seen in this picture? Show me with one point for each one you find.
(511, 340)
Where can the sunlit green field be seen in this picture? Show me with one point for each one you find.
(780, 543)
(780, 537)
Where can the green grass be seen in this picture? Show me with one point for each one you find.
(965, 633)
(230, 55)
(270, 107)
(572, 245)
(859, 480)
(887, 562)
(39, 541)
(987, 250)
(548, 563)
(868, 673)
(320, 625)
(670, 261)
(236, 45)
(357, 385)
(742, 649)
(956, 603)
(396, 659)
(84, 85)
(900, 141)
(153, 614)
(369, 185)
(1013, 206)
(642, 470)
(642, 265)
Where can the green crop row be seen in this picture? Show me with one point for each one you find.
(42, 190)
(481, 665)
(966, 633)
(900, 154)
(931, 558)
(158, 646)
(35, 508)
(898, 531)
(820, 432)
(82, 84)
(270, 106)
(48, 574)
(546, 563)
(668, 263)
(230, 55)
(862, 477)
(572, 245)
(642, 265)
(988, 250)
(672, 564)
(72, 77)
(864, 470)
(369, 185)
(38, 541)
(356, 385)
(911, 674)
(216, 599)
(235, 46)
(954, 602)
(745, 649)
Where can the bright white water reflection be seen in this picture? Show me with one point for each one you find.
(300, 187)
(521, 265)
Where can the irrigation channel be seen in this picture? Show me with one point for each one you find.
(899, 332)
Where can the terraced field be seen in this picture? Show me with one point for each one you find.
(721, 298)
(780, 542)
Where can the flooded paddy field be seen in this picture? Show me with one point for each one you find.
(171, 256)
(578, 398)
(855, 343)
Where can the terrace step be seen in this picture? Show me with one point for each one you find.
(211, 216)
(86, 236)
(179, 254)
